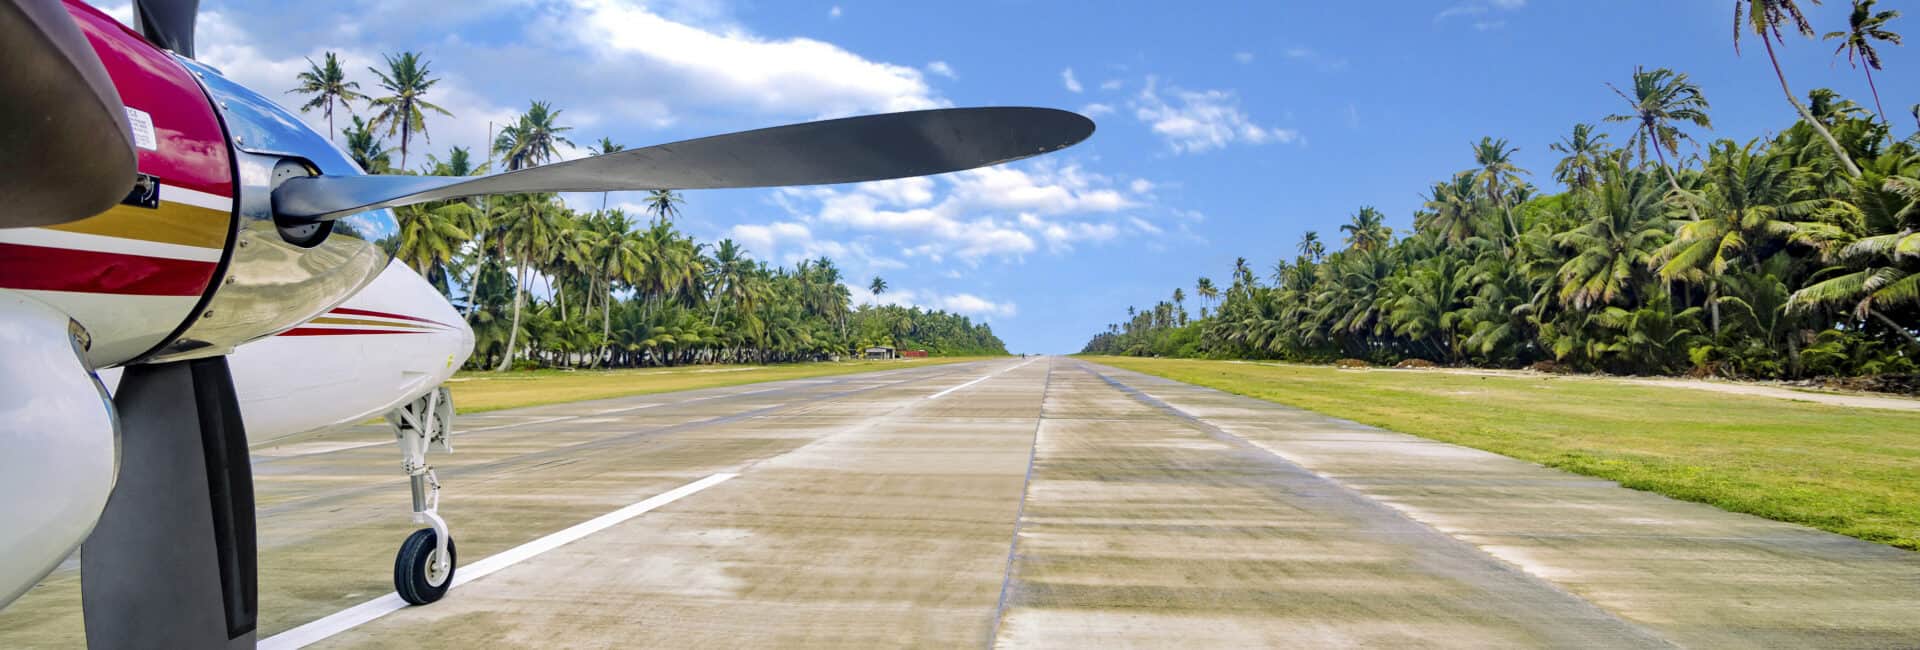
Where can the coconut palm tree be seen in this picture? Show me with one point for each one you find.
(1310, 246)
(1367, 230)
(1661, 100)
(530, 223)
(1615, 246)
(1768, 19)
(1864, 26)
(664, 204)
(534, 139)
(730, 282)
(1879, 264)
(407, 79)
(877, 286)
(1205, 289)
(365, 149)
(1453, 209)
(327, 85)
(1584, 149)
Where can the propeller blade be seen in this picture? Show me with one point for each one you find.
(66, 152)
(848, 150)
(167, 23)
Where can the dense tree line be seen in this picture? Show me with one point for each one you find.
(618, 291)
(1788, 256)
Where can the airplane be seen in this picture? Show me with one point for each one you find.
(232, 273)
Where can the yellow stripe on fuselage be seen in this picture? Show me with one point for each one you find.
(171, 223)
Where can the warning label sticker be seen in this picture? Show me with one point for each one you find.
(142, 124)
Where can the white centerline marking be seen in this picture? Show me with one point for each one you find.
(984, 378)
(357, 615)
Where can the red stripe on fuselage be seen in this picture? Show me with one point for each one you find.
(382, 314)
(41, 268)
(343, 331)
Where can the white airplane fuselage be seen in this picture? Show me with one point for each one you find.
(391, 343)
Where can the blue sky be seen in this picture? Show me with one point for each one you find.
(1226, 129)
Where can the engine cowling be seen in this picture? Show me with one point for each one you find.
(59, 440)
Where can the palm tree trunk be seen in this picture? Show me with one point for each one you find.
(606, 322)
(1819, 128)
(1882, 110)
(1895, 326)
(513, 335)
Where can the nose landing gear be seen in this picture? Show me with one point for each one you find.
(423, 569)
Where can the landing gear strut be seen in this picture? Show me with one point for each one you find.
(423, 570)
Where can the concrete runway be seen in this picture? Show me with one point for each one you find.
(1051, 503)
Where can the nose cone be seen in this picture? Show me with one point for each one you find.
(465, 348)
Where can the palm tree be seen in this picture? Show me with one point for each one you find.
(1767, 18)
(1584, 149)
(1661, 99)
(1615, 245)
(1746, 206)
(664, 204)
(534, 140)
(878, 286)
(430, 237)
(1496, 169)
(620, 257)
(1863, 28)
(530, 223)
(1310, 246)
(328, 85)
(1205, 289)
(1453, 209)
(1368, 230)
(1878, 271)
(730, 268)
(408, 79)
(365, 149)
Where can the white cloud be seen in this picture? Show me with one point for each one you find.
(834, 12)
(1067, 78)
(631, 46)
(1202, 120)
(1096, 109)
(967, 303)
(1112, 84)
(1144, 226)
(997, 212)
(1243, 57)
(941, 68)
(959, 303)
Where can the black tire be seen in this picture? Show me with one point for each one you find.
(410, 575)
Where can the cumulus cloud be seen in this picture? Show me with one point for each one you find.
(1243, 57)
(834, 12)
(941, 68)
(1096, 109)
(1072, 84)
(627, 66)
(630, 43)
(959, 303)
(997, 212)
(1197, 121)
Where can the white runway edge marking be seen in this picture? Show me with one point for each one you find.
(984, 378)
(356, 615)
